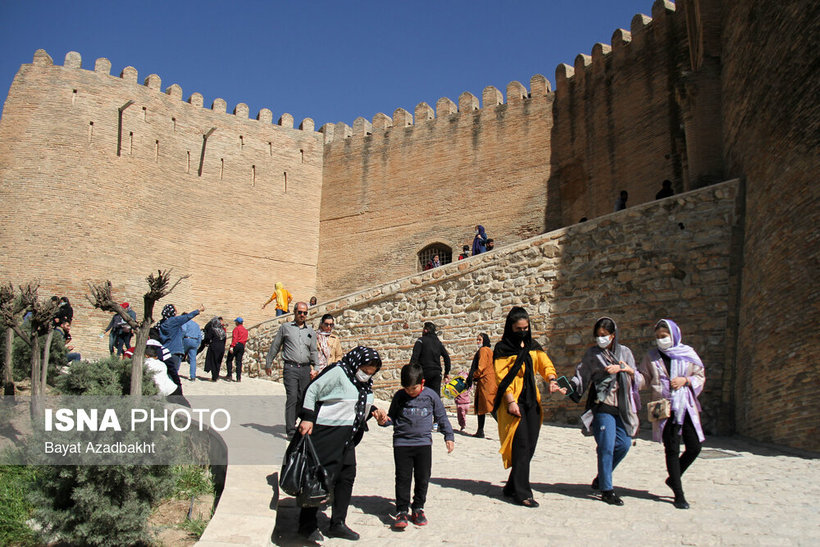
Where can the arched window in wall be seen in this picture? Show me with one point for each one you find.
(444, 252)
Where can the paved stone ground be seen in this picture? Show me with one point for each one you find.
(740, 494)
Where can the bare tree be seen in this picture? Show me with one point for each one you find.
(158, 287)
(41, 322)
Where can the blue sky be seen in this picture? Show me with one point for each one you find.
(328, 60)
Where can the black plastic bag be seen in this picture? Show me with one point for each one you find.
(293, 468)
(303, 476)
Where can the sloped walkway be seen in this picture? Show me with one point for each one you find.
(246, 512)
(740, 494)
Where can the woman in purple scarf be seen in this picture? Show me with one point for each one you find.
(674, 372)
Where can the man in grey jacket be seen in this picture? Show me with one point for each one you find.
(297, 341)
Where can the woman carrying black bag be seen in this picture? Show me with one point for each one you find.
(336, 408)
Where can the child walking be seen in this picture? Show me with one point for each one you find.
(412, 412)
(463, 401)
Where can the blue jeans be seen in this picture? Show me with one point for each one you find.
(279, 312)
(613, 444)
(190, 351)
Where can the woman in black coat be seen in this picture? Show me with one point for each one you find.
(214, 338)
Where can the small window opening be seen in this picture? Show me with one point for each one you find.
(253, 175)
(221, 168)
(73, 97)
(188, 162)
(241, 142)
(90, 132)
(156, 151)
(286, 182)
(427, 255)
(130, 143)
(174, 121)
(144, 114)
(302, 154)
(270, 148)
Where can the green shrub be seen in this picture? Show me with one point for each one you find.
(15, 506)
(99, 505)
(109, 376)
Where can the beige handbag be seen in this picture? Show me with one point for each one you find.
(658, 410)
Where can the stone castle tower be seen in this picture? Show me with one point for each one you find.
(104, 177)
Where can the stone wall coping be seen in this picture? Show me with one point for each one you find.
(467, 265)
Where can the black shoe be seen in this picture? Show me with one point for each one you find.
(342, 531)
(239, 379)
(594, 484)
(529, 502)
(610, 498)
(479, 435)
(315, 537)
(680, 502)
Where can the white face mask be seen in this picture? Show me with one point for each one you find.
(664, 343)
(362, 376)
(603, 341)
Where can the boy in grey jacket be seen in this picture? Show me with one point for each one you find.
(412, 413)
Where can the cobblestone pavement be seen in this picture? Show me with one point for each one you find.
(740, 494)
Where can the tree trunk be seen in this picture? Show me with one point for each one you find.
(138, 358)
(8, 372)
(36, 398)
(46, 356)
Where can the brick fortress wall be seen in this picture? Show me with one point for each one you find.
(772, 137)
(622, 121)
(391, 186)
(73, 210)
(670, 258)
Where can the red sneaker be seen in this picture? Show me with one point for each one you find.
(402, 521)
(418, 517)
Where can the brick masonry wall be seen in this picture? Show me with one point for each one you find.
(772, 135)
(75, 211)
(670, 258)
(389, 194)
(619, 123)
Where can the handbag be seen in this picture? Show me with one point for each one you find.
(303, 476)
(658, 410)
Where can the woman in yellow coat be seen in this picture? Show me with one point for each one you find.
(517, 358)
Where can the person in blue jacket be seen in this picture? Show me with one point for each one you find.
(170, 331)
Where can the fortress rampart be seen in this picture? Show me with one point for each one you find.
(136, 179)
(392, 187)
(618, 122)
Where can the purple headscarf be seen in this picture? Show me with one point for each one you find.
(684, 400)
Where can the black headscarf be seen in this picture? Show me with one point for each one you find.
(511, 345)
(350, 363)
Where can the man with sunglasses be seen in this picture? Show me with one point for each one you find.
(297, 340)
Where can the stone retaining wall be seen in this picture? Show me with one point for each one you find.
(669, 258)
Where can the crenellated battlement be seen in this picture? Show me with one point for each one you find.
(623, 42)
(423, 113)
(73, 60)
